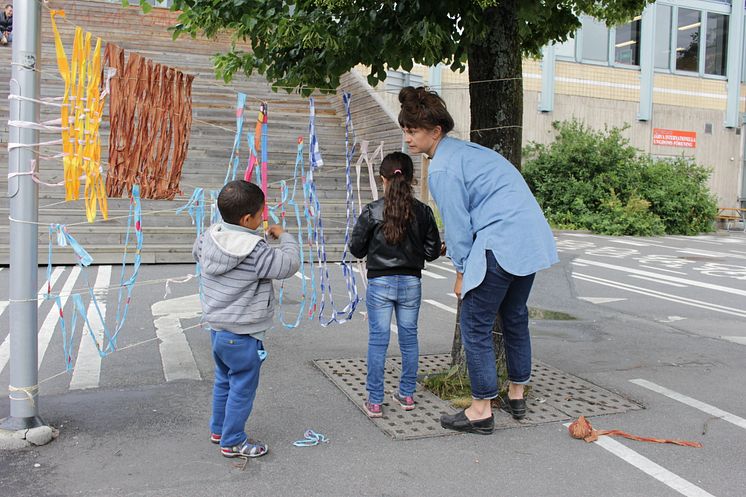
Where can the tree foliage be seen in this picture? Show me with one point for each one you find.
(311, 43)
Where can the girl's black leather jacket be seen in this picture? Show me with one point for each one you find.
(421, 243)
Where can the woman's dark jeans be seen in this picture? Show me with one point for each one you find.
(508, 294)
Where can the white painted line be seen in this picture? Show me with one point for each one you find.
(725, 289)
(628, 242)
(735, 339)
(706, 408)
(50, 323)
(664, 296)
(738, 251)
(87, 372)
(656, 280)
(3, 306)
(300, 276)
(176, 355)
(649, 467)
(601, 300)
(433, 275)
(441, 306)
(692, 239)
(5, 346)
(451, 294)
(394, 328)
(661, 269)
(671, 319)
(579, 264)
(443, 267)
(579, 235)
(707, 253)
(355, 268)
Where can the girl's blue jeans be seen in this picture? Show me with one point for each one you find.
(508, 294)
(386, 295)
(237, 364)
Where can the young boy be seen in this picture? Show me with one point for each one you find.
(237, 268)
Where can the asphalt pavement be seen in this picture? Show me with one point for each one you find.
(658, 320)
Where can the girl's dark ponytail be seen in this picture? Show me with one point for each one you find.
(398, 201)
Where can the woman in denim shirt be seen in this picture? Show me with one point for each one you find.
(497, 239)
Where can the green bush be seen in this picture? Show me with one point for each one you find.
(595, 180)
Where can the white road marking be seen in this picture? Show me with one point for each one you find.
(738, 251)
(433, 275)
(176, 355)
(443, 267)
(656, 280)
(628, 242)
(671, 319)
(649, 467)
(441, 306)
(3, 306)
(661, 269)
(664, 296)
(735, 339)
(50, 323)
(300, 276)
(710, 286)
(692, 239)
(394, 328)
(87, 372)
(5, 346)
(706, 408)
(707, 253)
(579, 264)
(601, 300)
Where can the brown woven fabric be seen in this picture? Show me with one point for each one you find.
(150, 114)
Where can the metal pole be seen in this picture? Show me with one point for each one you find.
(24, 210)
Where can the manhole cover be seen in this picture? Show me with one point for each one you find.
(555, 396)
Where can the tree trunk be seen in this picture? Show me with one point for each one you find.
(496, 93)
(496, 84)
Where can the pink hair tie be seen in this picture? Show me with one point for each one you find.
(397, 171)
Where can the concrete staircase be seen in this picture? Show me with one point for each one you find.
(168, 236)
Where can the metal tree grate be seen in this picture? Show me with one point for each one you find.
(554, 396)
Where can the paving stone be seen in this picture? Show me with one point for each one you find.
(554, 396)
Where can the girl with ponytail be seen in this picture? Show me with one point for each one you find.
(398, 234)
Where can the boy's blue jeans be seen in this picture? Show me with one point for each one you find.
(237, 365)
(507, 293)
(386, 294)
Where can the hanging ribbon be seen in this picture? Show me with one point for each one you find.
(364, 157)
(63, 238)
(235, 155)
(81, 113)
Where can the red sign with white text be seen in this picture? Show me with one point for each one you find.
(674, 138)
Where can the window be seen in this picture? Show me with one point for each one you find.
(396, 80)
(663, 37)
(566, 49)
(627, 43)
(595, 40)
(687, 40)
(716, 44)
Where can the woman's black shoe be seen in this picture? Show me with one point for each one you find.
(514, 407)
(459, 422)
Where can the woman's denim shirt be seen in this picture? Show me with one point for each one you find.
(486, 205)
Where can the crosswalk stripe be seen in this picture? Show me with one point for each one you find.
(87, 370)
(651, 468)
(706, 408)
(50, 323)
(441, 306)
(5, 346)
(430, 274)
(443, 267)
(176, 355)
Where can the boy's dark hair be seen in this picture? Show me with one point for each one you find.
(238, 198)
(424, 109)
(398, 169)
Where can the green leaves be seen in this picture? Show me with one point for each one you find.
(595, 180)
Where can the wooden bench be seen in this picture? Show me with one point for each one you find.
(731, 216)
